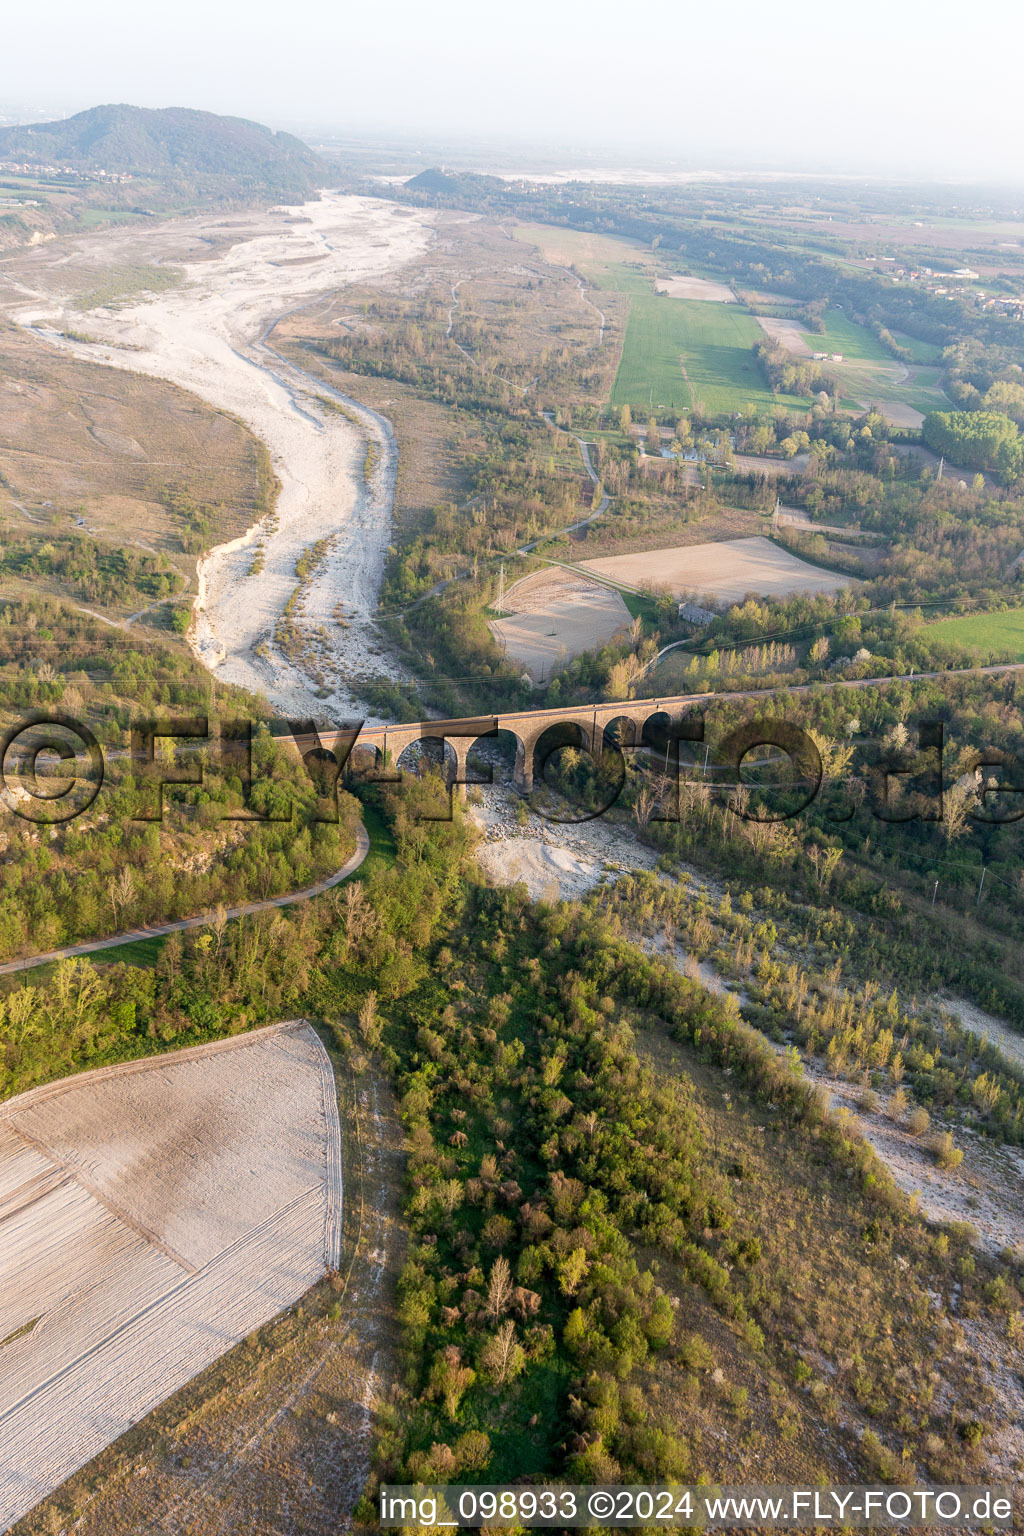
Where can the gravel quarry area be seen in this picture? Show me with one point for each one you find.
(151, 1216)
(335, 459)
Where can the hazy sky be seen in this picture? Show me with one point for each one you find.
(921, 86)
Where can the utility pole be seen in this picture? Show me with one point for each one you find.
(935, 889)
(981, 885)
(942, 465)
(500, 604)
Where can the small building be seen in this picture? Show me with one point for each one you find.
(819, 357)
(696, 615)
(837, 357)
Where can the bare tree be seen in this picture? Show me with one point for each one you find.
(501, 1357)
(121, 890)
(369, 1023)
(643, 805)
(957, 805)
(220, 925)
(499, 1291)
(826, 862)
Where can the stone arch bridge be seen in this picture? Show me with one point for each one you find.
(527, 727)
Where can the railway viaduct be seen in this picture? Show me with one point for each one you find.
(591, 721)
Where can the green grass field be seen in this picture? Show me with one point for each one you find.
(920, 351)
(870, 376)
(679, 352)
(844, 335)
(996, 634)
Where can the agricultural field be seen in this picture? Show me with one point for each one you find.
(920, 351)
(689, 344)
(904, 393)
(844, 335)
(200, 1193)
(682, 353)
(721, 572)
(995, 634)
(555, 615)
(678, 351)
(679, 286)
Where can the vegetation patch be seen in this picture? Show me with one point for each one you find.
(118, 286)
(998, 635)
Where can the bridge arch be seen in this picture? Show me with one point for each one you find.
(620, 731)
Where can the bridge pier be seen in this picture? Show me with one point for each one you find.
(460, 746)
(522, 773)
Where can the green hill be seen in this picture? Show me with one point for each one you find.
(452, 189)
(176, 144)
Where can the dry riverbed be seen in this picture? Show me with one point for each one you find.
(334, 458)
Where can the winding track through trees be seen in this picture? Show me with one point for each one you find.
(202, 919)
(524, 549)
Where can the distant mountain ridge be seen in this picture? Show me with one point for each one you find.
(173, 143)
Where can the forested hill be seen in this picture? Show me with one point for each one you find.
(451, 188)
(176, 144)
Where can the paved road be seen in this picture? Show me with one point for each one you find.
(92, 946)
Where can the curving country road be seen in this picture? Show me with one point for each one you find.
(92, 946)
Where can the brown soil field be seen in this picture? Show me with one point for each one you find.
(934, 235)
(899, 414)
(200, 1193)
(681, 287)
(787, 332)
(722, 572)
(281, 1424)
(760, 464)
(556, 615)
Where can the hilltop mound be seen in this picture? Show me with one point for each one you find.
(451, 188)
(172, 143)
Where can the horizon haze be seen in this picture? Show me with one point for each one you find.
(879, 94)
